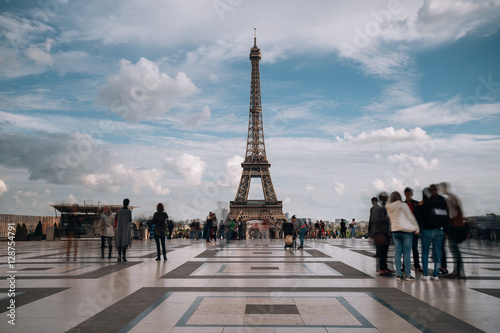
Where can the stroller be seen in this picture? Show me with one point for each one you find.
(290, 237)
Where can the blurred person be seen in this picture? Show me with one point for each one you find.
(352, 226)
(343, 229)
(123, 218)
(317, 230)
(403, 227)
(380, 230)
(301, 226)
(264, 232)
(434, 216)
(322, 228)
(160, 218)
(170, 228)
(106, 227)
(414, 207)
(72, 231)
(457, 232)
(208, 226)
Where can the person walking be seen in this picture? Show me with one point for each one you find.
(434, 216)
(403, 227)
(72, 227)
(456, 232)
(380, 230)
(123, 218)
(343, 229)
(352, 226)
(106, 228)
(208, 226)
(160, 218)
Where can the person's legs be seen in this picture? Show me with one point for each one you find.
(416, 259)
(384, 248)
(103, 245)
(407, 245)
(110, 247)
(157, 241)
(302, 233)
(457, 255)
(437, 242)
(426, 243)
(398, 249)
(119, 253)
(124, 249)
(164, 250)
(68, 245)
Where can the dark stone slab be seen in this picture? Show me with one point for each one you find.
(274, 309)
(264, 268)
(491, 292)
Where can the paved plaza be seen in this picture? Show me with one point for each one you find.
(242, 286)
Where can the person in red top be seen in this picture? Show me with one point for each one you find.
(413, 204)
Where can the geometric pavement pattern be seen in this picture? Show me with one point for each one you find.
(242, 286)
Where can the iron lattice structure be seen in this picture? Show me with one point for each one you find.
(256, 164)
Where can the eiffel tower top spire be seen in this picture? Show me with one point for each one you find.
(256, 150)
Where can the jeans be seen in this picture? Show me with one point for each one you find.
(302, 233)
(434, 236)
(455, 250)
(160, 239)
(208, 230)
(353, 232)
(402, 245)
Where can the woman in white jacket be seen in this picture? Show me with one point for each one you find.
(107, 232)
(403, 226)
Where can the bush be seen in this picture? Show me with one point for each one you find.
(24, 229)
(38, 229)
(18, 230)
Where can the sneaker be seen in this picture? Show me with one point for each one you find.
(434, 278)
(399, 278)
(410, 278)
(425, 277)
(443, 271)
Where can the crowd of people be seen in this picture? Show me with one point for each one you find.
(436, 218)
(433, 220)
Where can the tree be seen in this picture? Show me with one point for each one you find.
(24, 229)
(18, 230)
(38, 229)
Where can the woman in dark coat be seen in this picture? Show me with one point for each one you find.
(159, 220)
(123, 236)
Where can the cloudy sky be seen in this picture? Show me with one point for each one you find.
(102, 100)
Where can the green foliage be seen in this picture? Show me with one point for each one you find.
(18, 230)
(24, 229)
(38, 229)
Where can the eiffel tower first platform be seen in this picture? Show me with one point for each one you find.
(256, 164)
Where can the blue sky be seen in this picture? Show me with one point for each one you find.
(104, 100)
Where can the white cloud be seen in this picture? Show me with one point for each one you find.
(31, 199)
(388, 134)
(3, 187)
(40, 53)
(198, 118)
(140, 91)
(450, 112)
(309, 187)
(417, 161)
(389, 185)
(338, 187)
(233, 170)
(189, 167)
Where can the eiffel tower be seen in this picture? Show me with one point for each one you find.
(256, 164)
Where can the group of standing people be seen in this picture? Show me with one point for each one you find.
(431, 219)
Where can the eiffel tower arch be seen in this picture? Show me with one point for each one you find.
(255, 166)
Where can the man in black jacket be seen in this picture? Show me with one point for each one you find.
(380, 229)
